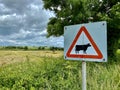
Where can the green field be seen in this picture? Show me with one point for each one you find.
(47, 70)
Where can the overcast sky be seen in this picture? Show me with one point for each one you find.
(23, 22)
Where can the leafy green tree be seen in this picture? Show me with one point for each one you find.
(26, 48)
(70, 12)
(39, 48)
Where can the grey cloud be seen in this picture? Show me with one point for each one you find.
(4, 10)
(24, 22)
(30, 16)
(7, 30)
(17, 6)
(58, 42)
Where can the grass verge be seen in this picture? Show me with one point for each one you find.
(55, 73)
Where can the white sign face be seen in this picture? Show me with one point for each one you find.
(86, 42)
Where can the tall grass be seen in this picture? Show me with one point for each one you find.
(55, 73)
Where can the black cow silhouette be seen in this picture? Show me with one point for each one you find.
(81, 47)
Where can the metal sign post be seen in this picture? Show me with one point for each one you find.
(83, 75)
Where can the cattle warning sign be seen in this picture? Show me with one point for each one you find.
(86, 42)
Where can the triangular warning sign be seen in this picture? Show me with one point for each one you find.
(70, 55)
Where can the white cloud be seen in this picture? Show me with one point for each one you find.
(20, 35)
(3, 9)
(23, 22)
(43, 33)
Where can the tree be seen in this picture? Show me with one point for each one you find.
(70, 12)
(26, 48)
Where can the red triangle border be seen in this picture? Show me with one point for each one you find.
(99, 54)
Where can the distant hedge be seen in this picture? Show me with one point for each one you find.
(30, 48)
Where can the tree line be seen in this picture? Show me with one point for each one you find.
(52, 48)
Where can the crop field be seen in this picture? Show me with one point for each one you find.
(47, 70)
(8, 57)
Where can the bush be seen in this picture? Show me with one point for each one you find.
(26, 48)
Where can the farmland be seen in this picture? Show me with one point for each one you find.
(8, 57)
(47, 70)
